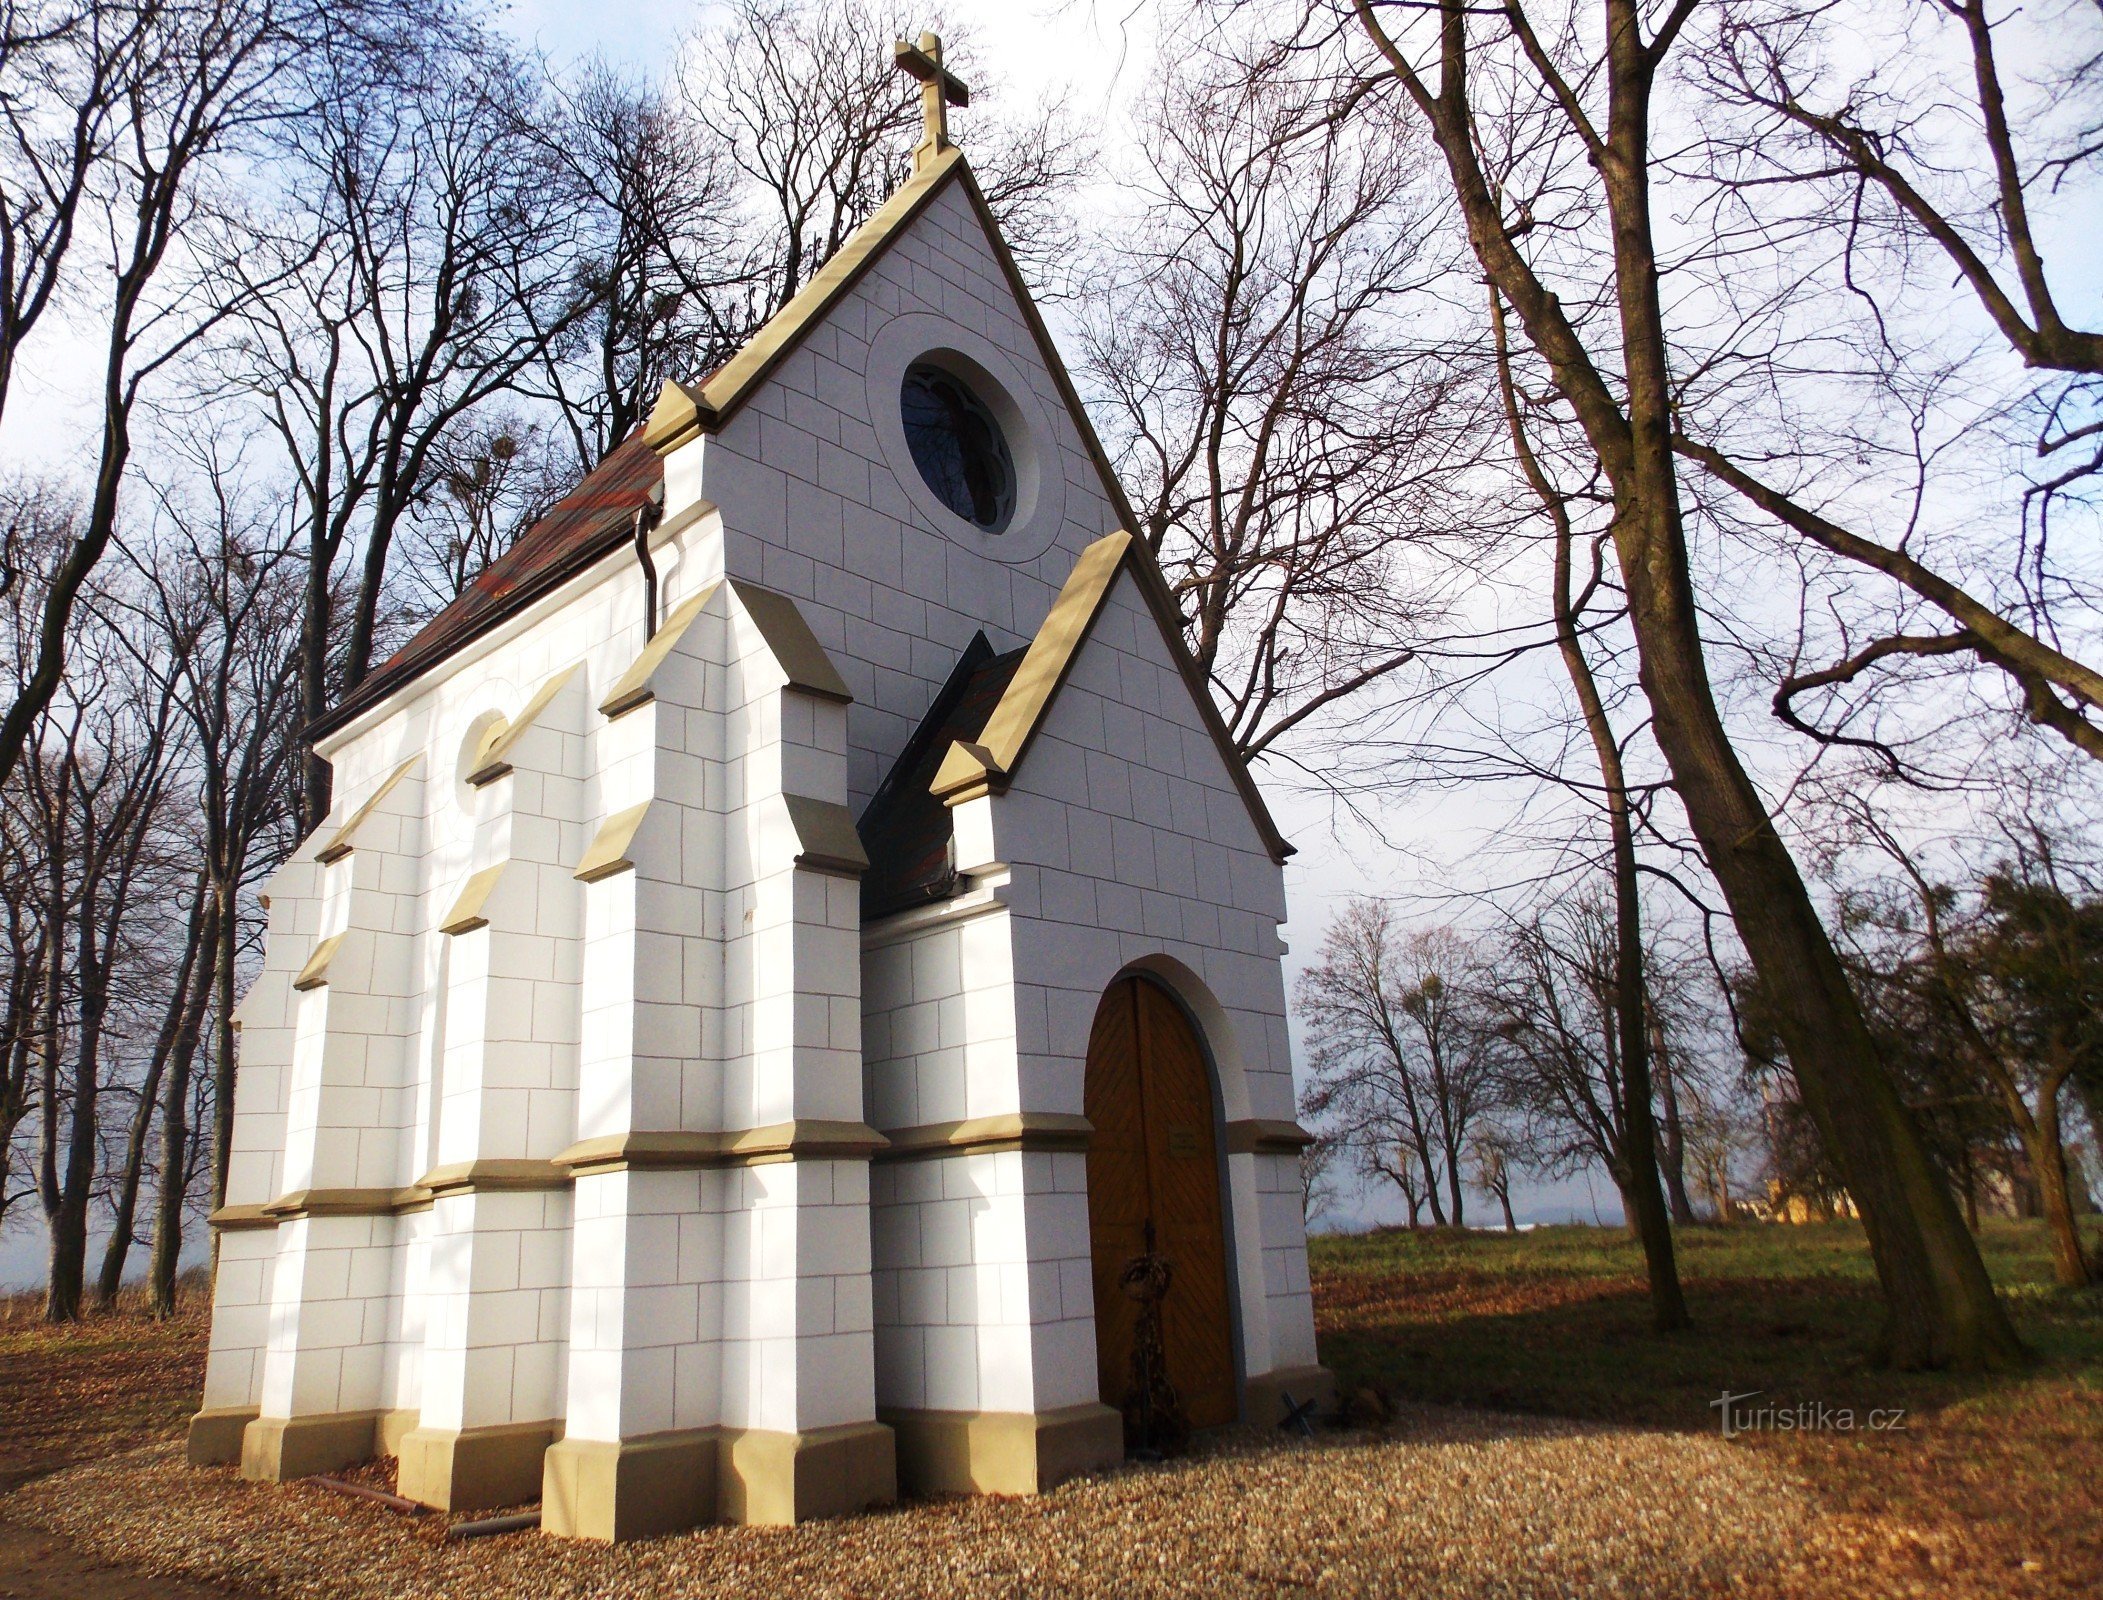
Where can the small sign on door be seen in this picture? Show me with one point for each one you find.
(1183, 1144)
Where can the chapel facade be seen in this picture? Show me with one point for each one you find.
(787, 936)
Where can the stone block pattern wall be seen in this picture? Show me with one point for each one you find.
(1126, 842)
(983, 1298)
(713, 979)
(1122, 841)
(708, 984)
(813, 506)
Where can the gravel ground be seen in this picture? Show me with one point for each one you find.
(1451, 1503)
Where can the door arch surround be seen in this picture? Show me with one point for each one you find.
(1157, 1179)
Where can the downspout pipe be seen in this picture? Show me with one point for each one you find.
(647, 516)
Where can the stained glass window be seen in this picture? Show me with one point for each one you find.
(958, 447)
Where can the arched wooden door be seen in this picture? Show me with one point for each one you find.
(1153, 1183)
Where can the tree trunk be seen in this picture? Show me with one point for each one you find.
(1453, 1185)
(1504, 1199)
(1643, 1203)
(67, 1220)
(1673, 1146)
(1941, 1309)
(225, 1036)
(314, 773)
(175, 1125)
(190, 978)
(125, 1209)
(1940, 1304)
(2054, 1193)
(1431, 1189)
(1720, 1196)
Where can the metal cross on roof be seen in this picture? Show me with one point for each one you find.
(939, 90)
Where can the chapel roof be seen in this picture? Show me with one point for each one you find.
(594, 518)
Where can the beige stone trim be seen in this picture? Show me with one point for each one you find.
(475, 1469)
(241, 1219)
(315, 974)
(1013, 1130)
(279, 1449)
(684, 411)
(342, 840)
(634, 1488)
(495, 760)
(608, 852)
(215, 1435)
(1003, 1452)
(395, 1426)
(344, 1203)
(970, 770)
(1266, 1136)
(1263, 1393)
(493, 1175)
(988, 764)
(780, 1479)
(826, 838)
(630, 1489)
(332, 1203)
(673, 1151)
(466, 915)
(633, 687)
(790, 641)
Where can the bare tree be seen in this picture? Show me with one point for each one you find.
(1636, 1163)
(675, 278)
(804, 100)
(221, 584)
(1398, 1071)
(802, 97)
(1555, 1002)
(1492, 1154)
(1585, 292)
(1292, 435)
(493, 476)
(1915, 178)
(1318, 1177)
(91, 792)
(415, 264)
(63, 75)
(185, 84)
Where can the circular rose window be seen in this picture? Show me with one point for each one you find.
(958, 446)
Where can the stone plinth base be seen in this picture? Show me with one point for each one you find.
(1003, 1452)
(599, 1489)
(278, 1449)
(215, 1435)
(474, 1469)
(785, 1478)
(1263, 1393)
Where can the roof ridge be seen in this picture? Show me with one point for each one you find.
(686, 410)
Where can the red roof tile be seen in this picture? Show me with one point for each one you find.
(595, 517)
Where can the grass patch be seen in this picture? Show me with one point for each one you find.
(111, 1382)
(1558, 1320)
(2000, 1470)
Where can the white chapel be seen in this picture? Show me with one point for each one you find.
(788, 935)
